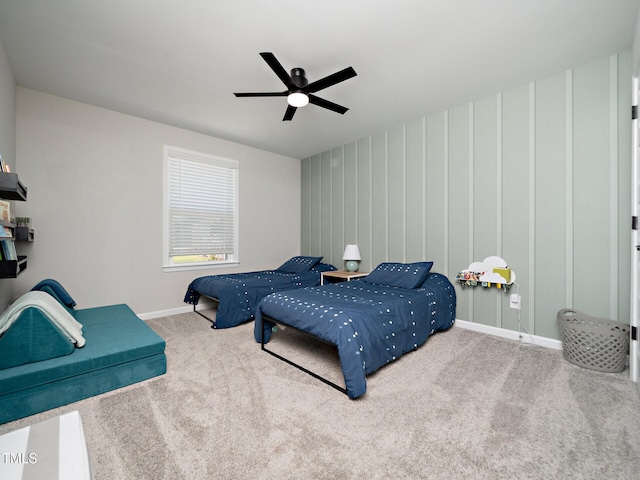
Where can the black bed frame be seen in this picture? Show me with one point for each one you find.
(209, 319)
(278, 356)
(290, 362)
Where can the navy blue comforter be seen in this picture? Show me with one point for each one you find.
(238, 294)
(371, 325)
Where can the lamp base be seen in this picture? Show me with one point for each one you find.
(351, 265)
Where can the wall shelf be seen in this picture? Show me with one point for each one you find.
(13, 268)
(11, 188)
(488, 273)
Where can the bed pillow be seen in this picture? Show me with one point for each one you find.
(403, 275)
(430, 277)
(298, 264)
(58, 289)
(323, 267)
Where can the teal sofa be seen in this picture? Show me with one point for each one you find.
(120, 350)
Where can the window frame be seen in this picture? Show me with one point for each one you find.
(167, 263)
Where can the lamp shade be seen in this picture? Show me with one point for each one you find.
(352, 252)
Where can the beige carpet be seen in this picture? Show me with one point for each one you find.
(463, 406)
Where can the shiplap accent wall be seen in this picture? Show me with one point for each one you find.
(538, 175)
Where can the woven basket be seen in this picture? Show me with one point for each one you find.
(592, 342)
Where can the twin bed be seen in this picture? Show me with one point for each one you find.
(238, 294)
(372, 321)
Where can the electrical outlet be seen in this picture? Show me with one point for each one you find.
(515, 301)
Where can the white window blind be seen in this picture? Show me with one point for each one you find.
(202, 204)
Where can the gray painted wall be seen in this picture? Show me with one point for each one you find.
(538, 175)
(95, 197)
(7, 142)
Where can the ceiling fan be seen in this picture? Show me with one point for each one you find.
(299, 91)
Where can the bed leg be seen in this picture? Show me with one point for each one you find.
(212, 320)
(299, 367)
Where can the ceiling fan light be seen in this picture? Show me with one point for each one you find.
(298, 99)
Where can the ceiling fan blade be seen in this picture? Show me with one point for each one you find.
(330, 80)
(321, 102)
(288, 115)
(279, 70)
(262, 94)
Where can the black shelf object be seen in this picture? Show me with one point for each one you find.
(13, 268)
(11, 188)
(24, 234)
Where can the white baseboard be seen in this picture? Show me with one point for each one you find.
(477, 327)
(174, 311)
(510, 334)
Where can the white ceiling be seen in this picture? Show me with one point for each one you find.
(179, 61)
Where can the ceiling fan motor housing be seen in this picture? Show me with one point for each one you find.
(297, 75)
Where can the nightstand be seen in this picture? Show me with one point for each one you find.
(340, 276)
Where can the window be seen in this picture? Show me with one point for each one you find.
(200, 210)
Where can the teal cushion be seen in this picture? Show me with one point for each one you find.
(121, 350)
(59, 289)
(32, 338)
(114, 335)
(32, 400)
(53, 293)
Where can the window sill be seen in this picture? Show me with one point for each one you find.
(198, 266)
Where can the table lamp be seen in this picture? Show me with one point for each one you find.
(352, 256)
